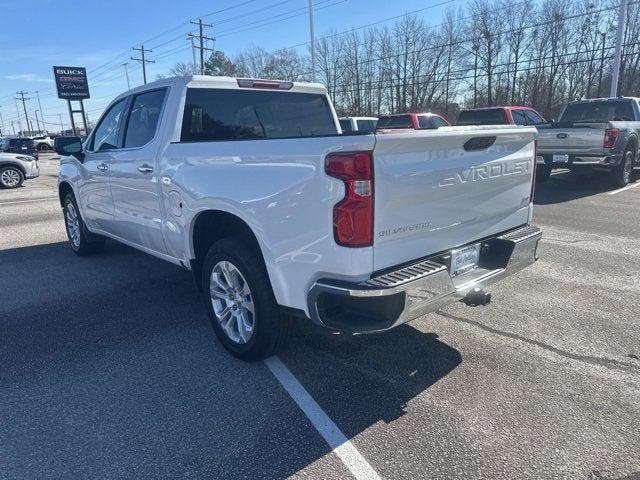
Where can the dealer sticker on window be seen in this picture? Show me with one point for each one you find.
(464, 259)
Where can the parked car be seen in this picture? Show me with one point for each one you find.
(15, 169)
(601, 134)
(43, 143)
(248, 184)
(21, 145)
(358, 124)
(410, 121)
(508, 115)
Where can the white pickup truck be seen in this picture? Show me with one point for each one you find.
(249, 184)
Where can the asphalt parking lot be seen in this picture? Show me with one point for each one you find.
(110, 368)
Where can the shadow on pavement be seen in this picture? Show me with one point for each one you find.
(111, 369)
(564, 186)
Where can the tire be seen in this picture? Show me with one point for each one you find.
(11, 177)
(82, 241)
(43, 147)
(543, 174)
(621, 175)
(235, 282)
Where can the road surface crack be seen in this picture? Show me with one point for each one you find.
(598, 361)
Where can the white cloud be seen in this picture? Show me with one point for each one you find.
(29, 77)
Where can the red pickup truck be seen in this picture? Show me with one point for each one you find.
(510, 115)
(410, 121)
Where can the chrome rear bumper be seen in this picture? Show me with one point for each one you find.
(398, 296)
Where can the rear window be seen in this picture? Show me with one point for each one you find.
(20, 142)
(494, 116)
(597, 112)
(395, 121)
(224, 114)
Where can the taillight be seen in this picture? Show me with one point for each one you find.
(353, 215)
(610, 137)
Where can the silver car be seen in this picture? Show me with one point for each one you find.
(15, 169)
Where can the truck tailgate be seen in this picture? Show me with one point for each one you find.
(583, 140)
(433, 194)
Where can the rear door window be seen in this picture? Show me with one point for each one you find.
(518, 117)
(228, 114)
(143, 118)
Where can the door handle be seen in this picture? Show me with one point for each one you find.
(145, 168)
(103, 167)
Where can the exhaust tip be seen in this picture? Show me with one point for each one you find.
(477, 297)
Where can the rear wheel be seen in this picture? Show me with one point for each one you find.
(43, 147)
(240, 302)
(544, 173)
(11, 177)
(621, 175)
(82, 241)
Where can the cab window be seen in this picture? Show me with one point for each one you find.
(533, 118)
(106, 133)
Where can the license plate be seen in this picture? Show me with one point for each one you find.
(464, 259)
(23, 148)
(558, 158)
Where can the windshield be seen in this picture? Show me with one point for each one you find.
(597, 112)
(493, 116)
(395, 121)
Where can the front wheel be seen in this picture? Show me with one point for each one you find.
(82, 241)
(240, 302)
(11, 177)
(621, 175)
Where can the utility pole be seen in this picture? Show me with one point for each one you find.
(143, 61)
(201, 37)
(18, 112)
(2, 123)
(313, 42)
(604, 36)
(41, 112)
(13, 129)
(24, 106)
(38, 121)
(615, 73)
(126, 73)
(61, 125)
(193, 53)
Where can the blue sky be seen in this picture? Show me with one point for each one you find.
(37, 34)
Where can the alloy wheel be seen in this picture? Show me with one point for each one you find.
(73, 224)
(232, 302)
(10, 177)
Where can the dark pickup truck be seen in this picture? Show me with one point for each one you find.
(601, 134)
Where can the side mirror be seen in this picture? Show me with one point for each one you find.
(69, 146)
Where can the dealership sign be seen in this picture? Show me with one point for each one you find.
(71, 82)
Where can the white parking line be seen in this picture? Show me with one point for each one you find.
(628, 187)
(341, 446)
